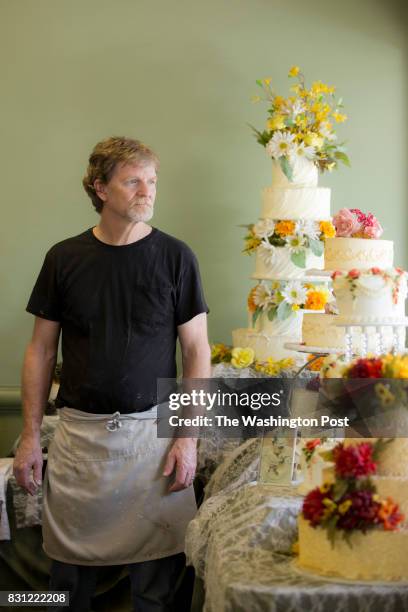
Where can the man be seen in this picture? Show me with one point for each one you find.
(121, 293)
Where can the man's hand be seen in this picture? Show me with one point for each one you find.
(28, 459)
(183, 457)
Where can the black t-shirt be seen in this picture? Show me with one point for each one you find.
(119, 308)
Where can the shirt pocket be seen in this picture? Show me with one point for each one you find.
(152, 309)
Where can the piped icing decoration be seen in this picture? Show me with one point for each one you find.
(355, 280)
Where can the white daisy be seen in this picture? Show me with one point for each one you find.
(280, 144)
(262, 295)
(266, 251)
(307, 227)
(297, 108)
(264, 228)
(294, 293)
(296, 243)
(303, 150)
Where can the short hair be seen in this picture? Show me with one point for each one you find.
(105, 157)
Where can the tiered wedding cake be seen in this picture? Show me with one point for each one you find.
(353, 526)
(367, 288)
(288, 239)
(295, 219)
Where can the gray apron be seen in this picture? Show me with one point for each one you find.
(105, 499)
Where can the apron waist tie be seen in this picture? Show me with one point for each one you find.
(113, 422)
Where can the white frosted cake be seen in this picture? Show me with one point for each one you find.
(368, 296)
(287, 240)
(379, 551)
(350, 253)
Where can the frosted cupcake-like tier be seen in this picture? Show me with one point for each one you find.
(304, 174)
(277, 264)
(291, 326)
(350, 253)
(371, 297)
(264, 345)
(296, 203)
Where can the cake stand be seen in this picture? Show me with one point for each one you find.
(397, 344)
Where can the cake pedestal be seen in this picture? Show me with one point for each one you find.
(378, 325)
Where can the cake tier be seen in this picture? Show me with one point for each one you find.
(393, 459)
(291, 326)
(304, 174)
(296, 203)
(375, 555)
(276, 263)
(320, 330)
(371, 297)
(350, 253)
(263, 344)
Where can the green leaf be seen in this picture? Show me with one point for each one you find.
(256, 314)
(272, 312)
(340, 488)
(284, 311)
(317, 247)
(299, 259)
(289, 122)
(326, 455)
(259, 82)
(286, 167)
(379, 446)
(342, 157)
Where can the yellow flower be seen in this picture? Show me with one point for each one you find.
(387, 398)
(276, 122)
(288, 362)
(325, 487)
(327, 228)
(242, 357)
(252, 243)
(285, 228)
(295, 307)
(344, 507)
(219, 351)
(316, 299)
(267, 81)
(339, 117)
(294, 71)
(256, 99)
(316, 365)
(314, 140)
(278, 101)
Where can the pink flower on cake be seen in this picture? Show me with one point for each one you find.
(361, 217)
(354, 273)
(336, 273)
(372, 227)
(376, 270)
(346, 223)
(354, 461)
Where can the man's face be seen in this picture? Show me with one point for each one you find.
(130, 193)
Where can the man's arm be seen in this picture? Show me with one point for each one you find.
(196, 359)
(38, 368)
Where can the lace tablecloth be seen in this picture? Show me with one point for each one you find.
(240, 544)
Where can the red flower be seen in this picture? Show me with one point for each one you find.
(354, 273)
(399, 270)
(363, 512)
(336, 273)
(376, 270)
(354, 461)
(313, 507)
(366, 368)
(311, 444)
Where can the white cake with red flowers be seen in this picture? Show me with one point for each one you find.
(353, 526)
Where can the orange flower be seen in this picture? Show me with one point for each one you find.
(327, 228)
(251, 303)
(285, 228)
(389, 514)
(316, 300)
(316, 365)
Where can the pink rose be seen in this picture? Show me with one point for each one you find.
(354, 273)
(359, 214)
(376, 270)
(346, 223)
(336, 273)
(372, 227)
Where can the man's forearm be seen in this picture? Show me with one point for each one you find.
(37, 375)
(197, 362)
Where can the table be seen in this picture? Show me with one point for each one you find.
(240, 544)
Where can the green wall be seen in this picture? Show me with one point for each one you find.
(180, 76)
